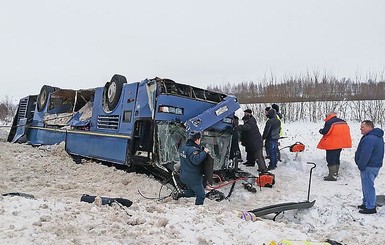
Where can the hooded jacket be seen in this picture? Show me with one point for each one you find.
(272, 127)
(336, 134)
(370, 150)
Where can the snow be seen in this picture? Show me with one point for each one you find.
(57, 215)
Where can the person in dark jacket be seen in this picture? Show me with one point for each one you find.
(276, 108)
(267, 109)
(279, 116)
(369, 157)
(192, 155)
(271, 136)
(235, 152)
(252, 141)
(336, 136)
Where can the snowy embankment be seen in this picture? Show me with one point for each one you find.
(57, 215)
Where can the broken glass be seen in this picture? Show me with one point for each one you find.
(170, 136)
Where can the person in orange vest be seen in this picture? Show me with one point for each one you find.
(336, 135)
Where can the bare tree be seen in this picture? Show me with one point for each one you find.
(7, 109)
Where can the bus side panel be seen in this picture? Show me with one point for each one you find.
(102, 147)
(190, 107)
(97, 109)
(128, 108)
(45, 136)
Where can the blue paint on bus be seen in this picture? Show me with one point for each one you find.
(128, 123)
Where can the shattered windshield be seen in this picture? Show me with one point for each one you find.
(219, 144)
(171, 136)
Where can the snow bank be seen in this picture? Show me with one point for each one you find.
(57, 215)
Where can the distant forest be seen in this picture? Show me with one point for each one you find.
(312, 87)
(316, 95)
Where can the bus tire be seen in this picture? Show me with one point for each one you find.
(113, 90)
(43, 96)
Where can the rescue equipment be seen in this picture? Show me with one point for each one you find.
(297, 147)
(265, 179)
(249, 187)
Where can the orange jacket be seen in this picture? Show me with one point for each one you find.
(337, 137)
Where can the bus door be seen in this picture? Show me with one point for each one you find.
(141, 145)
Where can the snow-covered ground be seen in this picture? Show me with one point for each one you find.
(57, 216)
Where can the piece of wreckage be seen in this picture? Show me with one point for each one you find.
(139, 124)
(281, 207)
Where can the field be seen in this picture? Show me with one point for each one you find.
(56, 215)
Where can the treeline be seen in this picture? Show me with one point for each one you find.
(307, 88)
(313, 94)
(314, 111)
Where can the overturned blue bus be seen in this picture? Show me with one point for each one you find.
(139, 123)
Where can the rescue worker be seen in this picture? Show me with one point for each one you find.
(276, 108)
(279, 117)
(235, 152)
(271, 136)
(336, 135)
(252, 141)
(192, 155)
(369, 157)
(267, 109)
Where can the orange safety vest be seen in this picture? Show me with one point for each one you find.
(337, 137)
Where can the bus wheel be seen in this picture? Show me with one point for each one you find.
(113, 90)
(43, 96)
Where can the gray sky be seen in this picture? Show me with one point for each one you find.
(81, 44)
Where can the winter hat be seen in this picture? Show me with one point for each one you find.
(248, 111)
(331, 114)
(275, 107)
(194, 135)
(235, 121)
(272, 113)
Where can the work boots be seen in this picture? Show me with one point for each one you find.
(338, 169)
(333, 173)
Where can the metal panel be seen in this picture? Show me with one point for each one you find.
(98, 146)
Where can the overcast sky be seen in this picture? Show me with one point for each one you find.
(81, 44)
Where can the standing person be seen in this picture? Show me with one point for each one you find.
(369, 157)
(235, 152)
(271, 136)
(267, 109)
(192, 155)
(276, 108)
(251, 139)
(279, 117)
(336, 135)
